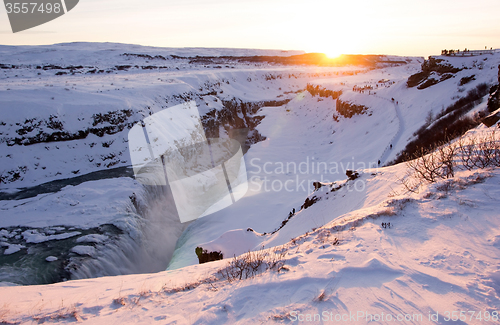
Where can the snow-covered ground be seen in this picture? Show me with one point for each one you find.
(438, 255)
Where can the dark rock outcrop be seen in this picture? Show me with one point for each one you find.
(35, 130)
(239, 119)
(348, 110)
(422, 80)
(204, 256)
(494, 99)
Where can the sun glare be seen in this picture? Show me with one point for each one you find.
(332, 54)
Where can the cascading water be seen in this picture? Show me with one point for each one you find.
(153, 227)
(140, 238)
(150, 233)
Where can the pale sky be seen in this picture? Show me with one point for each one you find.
(402, 27)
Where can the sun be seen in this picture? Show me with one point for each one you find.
(333, 54)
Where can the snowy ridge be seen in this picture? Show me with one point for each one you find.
(81, 53)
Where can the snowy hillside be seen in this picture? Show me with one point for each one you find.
(421, 259)
(71, 209)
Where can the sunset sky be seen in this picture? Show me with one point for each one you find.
(333, 27)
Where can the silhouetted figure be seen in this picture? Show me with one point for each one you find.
(390, 146)
(379, 162)
(293, 210)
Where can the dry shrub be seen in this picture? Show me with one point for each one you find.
(468, 153)
(324, 235)
(252, 263)
(63, 314)
(280, 317)
(480, 152)
(439, 164)
(4, 313)
(189, 286)
(321, 297)
(119, 301)
(238, 268)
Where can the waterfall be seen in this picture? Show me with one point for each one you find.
(150, 232)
